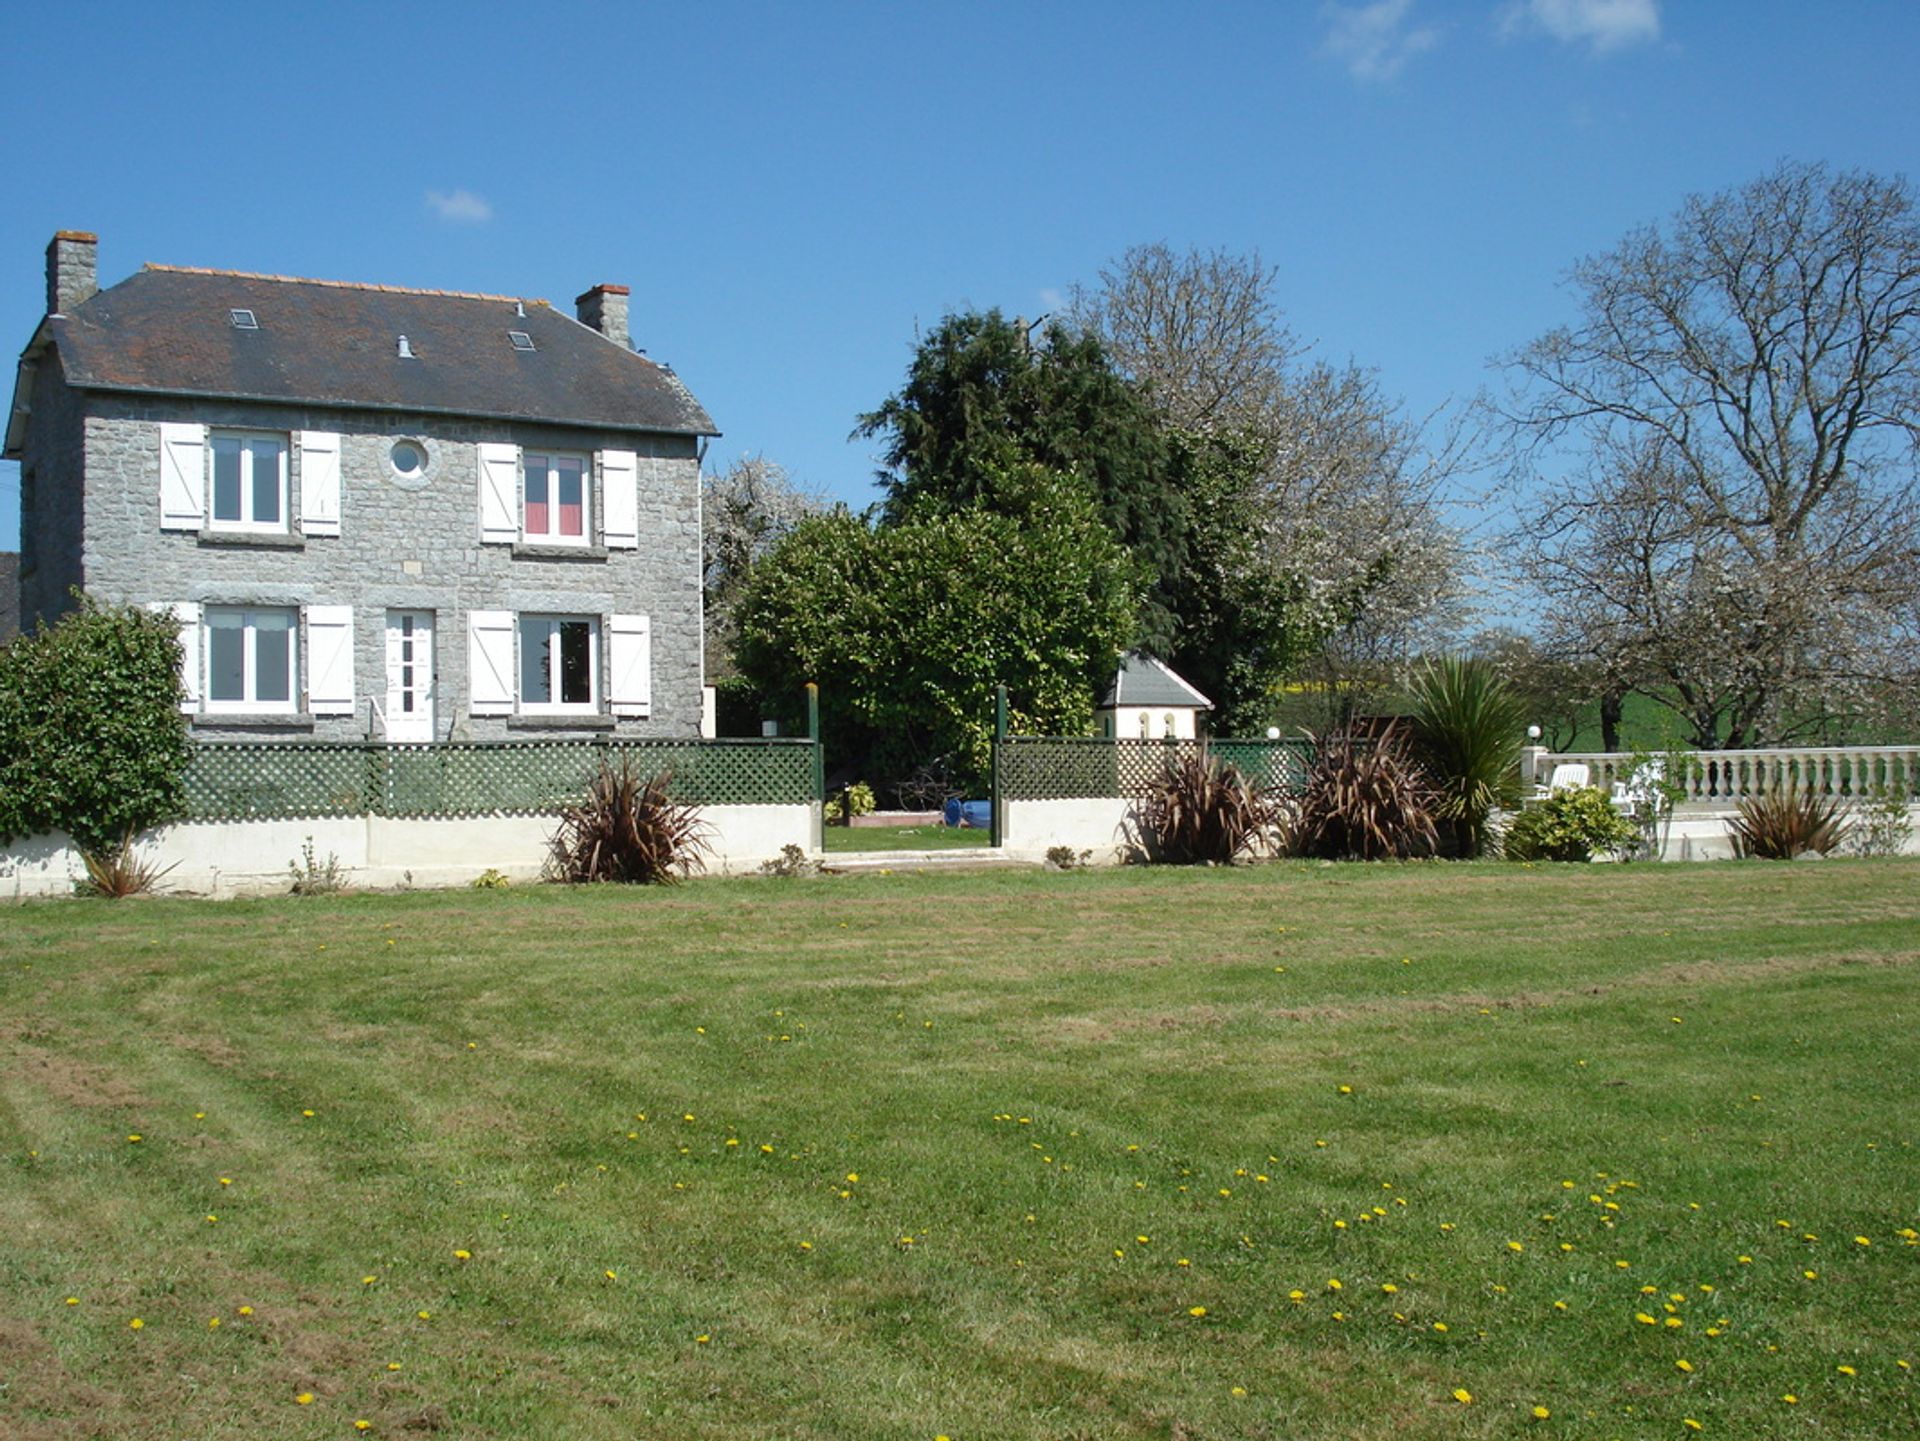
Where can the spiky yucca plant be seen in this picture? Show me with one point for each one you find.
(627, 829)
(1471, 726)
(115, 872)
(1782, 824)
(1366, 801)
(1203, 812)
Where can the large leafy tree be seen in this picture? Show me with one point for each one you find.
(1738, 525)
(984, 395)
(909, 627)
(1318, 544)
(745, 511)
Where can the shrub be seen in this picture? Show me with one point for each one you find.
(1574, 824)
(854, 800)
(790, 864)
(626, 829)
(1203, 812)
(1365, 801)
(1881, 824)
(490, 880)
(1782, 824)
(1471, 726)
(92, 741)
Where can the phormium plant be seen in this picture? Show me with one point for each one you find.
(1204, 812)
(1782, 824)
(1365, 801)
(626, 829)
(1471, 726)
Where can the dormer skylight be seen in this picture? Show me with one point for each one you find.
(242, 320)
(521, 340)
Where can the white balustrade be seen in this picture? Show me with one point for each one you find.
(1724, 778)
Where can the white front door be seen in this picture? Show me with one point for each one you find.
(409, 675)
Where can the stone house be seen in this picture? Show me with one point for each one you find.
(376, 511)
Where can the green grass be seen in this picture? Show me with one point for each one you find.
(1279, 1078)
(904, 838)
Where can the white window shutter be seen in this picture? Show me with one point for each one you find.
(186, 615)
(490, 662)
(319, 482)
(183, 476)
(499, 493)
(620, 499)
(630, 652)
(330, 659)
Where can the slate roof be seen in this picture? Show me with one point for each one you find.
(1144, 681)
(323, 342)
(9, 595)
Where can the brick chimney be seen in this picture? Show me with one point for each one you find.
(604, 308)
(73, 269)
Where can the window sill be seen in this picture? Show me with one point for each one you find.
(560, 723)
(269, 540)
(252, 720)
(534, 550)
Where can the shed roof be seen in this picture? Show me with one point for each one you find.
(1144, 681)
(169, 329)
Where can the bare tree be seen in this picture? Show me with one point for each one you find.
(1198, 331)
(1740, 533)
(744, 512)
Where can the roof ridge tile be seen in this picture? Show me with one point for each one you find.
(345, 284)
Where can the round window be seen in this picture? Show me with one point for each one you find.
(409, 457)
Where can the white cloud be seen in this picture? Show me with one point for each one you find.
(462, 207)
(1375, 41)
(1606, 25)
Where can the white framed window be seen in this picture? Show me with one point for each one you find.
(555, 507)
(247, 481)
(250, 656)
(559, 664)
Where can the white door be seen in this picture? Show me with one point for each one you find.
(409, 675)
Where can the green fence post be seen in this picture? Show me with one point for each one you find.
(996, 811)
(819, 767)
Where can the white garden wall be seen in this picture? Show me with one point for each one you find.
(228, 858)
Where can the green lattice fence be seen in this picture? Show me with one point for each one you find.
(245, 780)
(1045, 768)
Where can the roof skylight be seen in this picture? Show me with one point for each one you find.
(243, 320)
(521, 340)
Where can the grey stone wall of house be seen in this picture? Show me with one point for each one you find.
(51, 497)
(406, 543)
(9, 595)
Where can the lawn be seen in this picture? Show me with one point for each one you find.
(904, 838)
(1291, 1152)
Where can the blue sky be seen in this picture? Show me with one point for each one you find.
(790, 190)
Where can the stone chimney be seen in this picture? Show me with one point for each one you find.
(73, 269)
(604, 308)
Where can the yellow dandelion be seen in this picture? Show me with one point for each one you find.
(702, 1339)
(365, 1425)
(463, 1255)
(1238, 1391)
(1862, 1241)
(1541, 1413)
(1684, 1365)
(226, 1180)
(1346, 1090)
(135, 1139)
(1846, 1370)
(1196, 1310)
(73, 1300)
(1463, 1395)
(1515, 1246)
(368, 1280)
(246, 1311)
(424, 1315)
(1441, 1327)
(1333, 1283)
(611, 1275)
(393, 1365)
(305, 1398)
(1389, 1288)
(135, 1324)
(1691, 1424)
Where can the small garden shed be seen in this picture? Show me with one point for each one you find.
(1148, 700)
